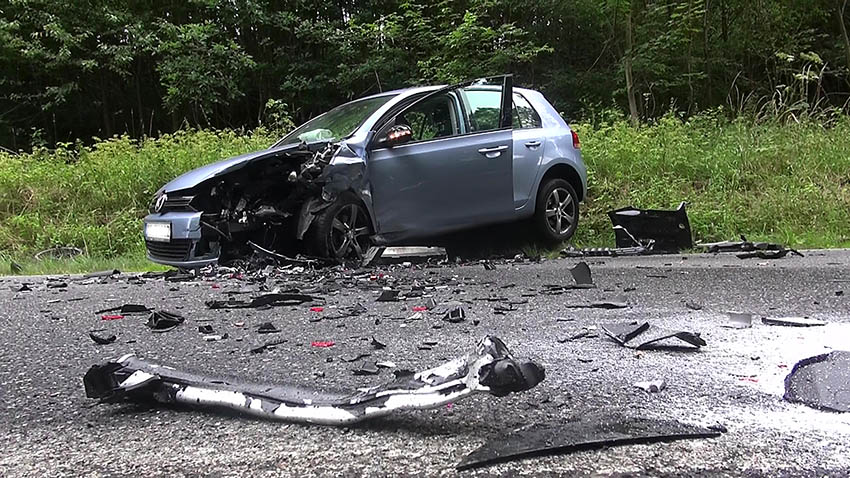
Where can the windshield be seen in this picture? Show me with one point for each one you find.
(336, 123)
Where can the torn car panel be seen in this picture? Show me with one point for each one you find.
(488, 368)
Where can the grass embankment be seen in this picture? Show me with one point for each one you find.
(782, 183)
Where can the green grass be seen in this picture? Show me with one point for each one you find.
(774, 182)
(131, 262)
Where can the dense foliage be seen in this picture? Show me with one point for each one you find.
(83, 68)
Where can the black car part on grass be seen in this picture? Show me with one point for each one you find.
(489, 368)
(643, 231)
(643, 335)
(822, 382)
(587, 433)
(657, 230)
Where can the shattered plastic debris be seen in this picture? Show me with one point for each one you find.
(366, 369)
(206, 329)
(603, 304)
(111, 317)
(267, 328)
(821, 382)
(127, 309)
(653, 386)
(740, 320)
(792, 321)
(489, 368)
(163, 321)
(642, 336)
(453, 312)
(749, 250)
(102, 340)
(581, 274)
(266, 346)
(322, 343)
(585, 434)
(388, 296)
(377, 344)
(267, 300)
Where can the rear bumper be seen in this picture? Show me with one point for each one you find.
(187, 248)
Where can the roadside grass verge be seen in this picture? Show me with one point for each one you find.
(787, 183)
(130, 262)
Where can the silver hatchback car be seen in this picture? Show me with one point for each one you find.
(388, 168)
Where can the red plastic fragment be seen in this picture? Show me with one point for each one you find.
(316, 309)
(111, 317)
(420, 308)
(322, 343)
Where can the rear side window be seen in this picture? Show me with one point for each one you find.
(524, 115)
(484, 108)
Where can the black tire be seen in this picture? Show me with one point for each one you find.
(547, 216)
(340, 240)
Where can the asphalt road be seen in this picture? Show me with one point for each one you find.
(49, 428)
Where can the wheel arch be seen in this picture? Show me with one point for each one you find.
(566, 172)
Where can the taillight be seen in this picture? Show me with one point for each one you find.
(576, 142)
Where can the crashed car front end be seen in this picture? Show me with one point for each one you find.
(266, 197)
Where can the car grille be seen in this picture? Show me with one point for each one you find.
(176, 250)
(177, 204)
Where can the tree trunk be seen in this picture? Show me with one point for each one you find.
(630, 86)
(840, 12)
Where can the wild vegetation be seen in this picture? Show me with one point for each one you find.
(76, 69)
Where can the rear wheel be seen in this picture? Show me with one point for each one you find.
(556, 214)
(342, 230)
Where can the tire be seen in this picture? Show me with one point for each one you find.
(334, 235)
(548, 216)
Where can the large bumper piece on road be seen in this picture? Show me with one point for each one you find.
(488, 368)
(186, 248)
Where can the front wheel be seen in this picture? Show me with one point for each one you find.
(342, 230)
(556, 214)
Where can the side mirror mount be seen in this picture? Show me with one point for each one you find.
(398, 134)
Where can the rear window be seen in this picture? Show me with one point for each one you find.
(524, 115)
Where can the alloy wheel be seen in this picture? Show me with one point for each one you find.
(349, 234)
(560, 211)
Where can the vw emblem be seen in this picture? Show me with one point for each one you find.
(160, 201)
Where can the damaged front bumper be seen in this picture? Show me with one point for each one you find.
(184, 247)
(488, 368)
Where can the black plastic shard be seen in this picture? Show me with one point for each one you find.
(587, 434)
(101, 340)
(388, 296)
(792, 321)
(581, 274)
(822, 382)
(453, 312)
(127, 309)
(267, 328)
(163, 321)
(667, 231)
(267, 300)
(642, 336)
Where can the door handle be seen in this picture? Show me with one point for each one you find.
(532, 144)
(493, 152)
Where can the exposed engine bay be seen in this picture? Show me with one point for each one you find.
(268, 201)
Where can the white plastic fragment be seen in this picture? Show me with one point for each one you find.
(653, 386)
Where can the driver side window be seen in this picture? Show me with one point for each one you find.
(431, 119)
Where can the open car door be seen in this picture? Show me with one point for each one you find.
(454, 167)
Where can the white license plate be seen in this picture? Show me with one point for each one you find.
(158, 231)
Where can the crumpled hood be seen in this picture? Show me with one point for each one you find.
(194, 177)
